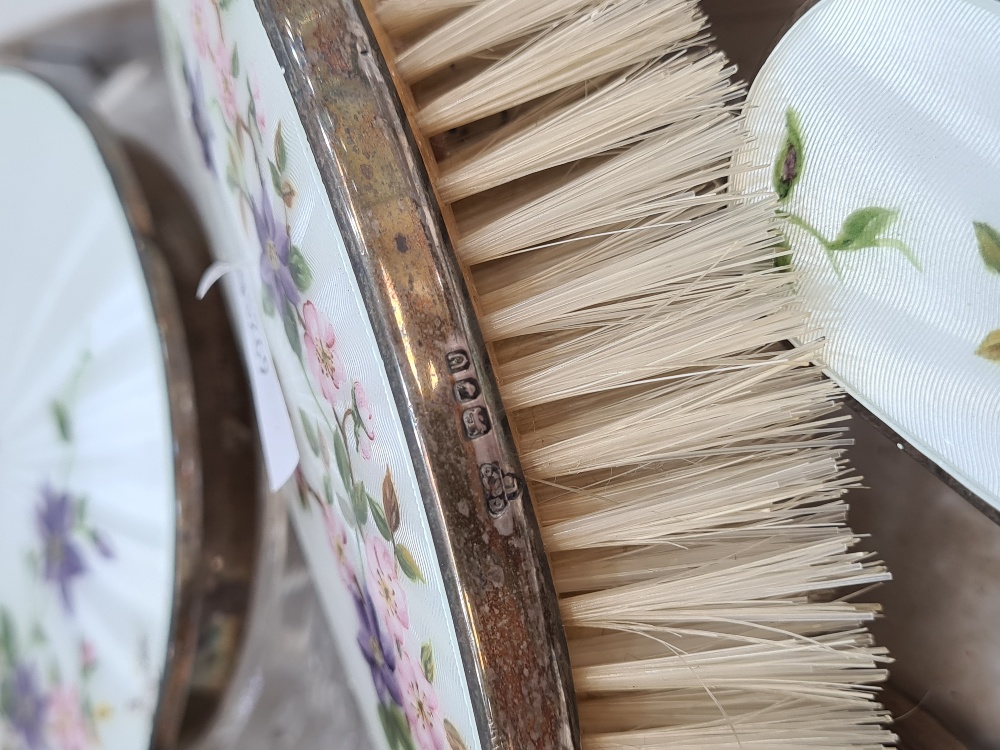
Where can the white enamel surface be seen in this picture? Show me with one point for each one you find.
(77, 326)
(193, 37)
(899, 103)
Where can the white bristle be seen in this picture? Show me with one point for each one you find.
(399, 17)
(481, 28)
(685, 464)
(594, 122)
(609, 37)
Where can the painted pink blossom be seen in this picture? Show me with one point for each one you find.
(366, 433)
(321, 349)
(66, 724)
(227, 86)
(383, 579)
(257, 104)
(336, 535)
(200, 28)
(421, 704)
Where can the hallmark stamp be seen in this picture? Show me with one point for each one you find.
(476, 421)
(493, 488)
(467, 390)
(458, 361)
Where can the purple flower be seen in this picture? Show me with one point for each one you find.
(25, 706)
(63, 563)
(378, 649)
(199, 117)
(275, 249)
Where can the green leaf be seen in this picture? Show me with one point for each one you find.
(347, 511)
(328, 489)
(81, 510)
(61, 414)
(864, 228)
(990, 348)
(6, 702)
(427, 660)
(231, 181)
(275, 177)
(297, 264)
(8, 640)
(455, 741)
(388, 723)
(267, 300)
(359, 501)
(378, 516)
(310, 433)
(790, 161)
(343, 462)
(234, 63)
(252, 108)
(280, 152)
(224, 4)
(989, 245)
(404, 737)
(407, 564)
(292, 329)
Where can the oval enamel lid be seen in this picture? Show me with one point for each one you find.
(87, 471)
(879, 123)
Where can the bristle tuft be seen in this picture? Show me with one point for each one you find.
(685, 463)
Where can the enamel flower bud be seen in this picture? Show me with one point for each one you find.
(791, 158)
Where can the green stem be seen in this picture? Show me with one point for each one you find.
(904, 249)
(71, 394)
(813, 232)
(807, 227)
(350, 467)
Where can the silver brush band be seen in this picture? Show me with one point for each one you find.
(488, 542)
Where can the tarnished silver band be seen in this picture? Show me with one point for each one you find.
(500, 591)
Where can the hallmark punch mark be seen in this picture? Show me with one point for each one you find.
(492, 480)
(476, 421)
(467, 390)
(458, 361)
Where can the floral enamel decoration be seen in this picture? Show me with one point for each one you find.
(988, 239)
(63, 561)
(321, 354)
(246, 151)
(199, 118)
(864, 229)
(52, 713)
(364, 426)
(384, 580)
(421, 705)
(66, 539)
(39, 709)
(89, 450)
(791, 159)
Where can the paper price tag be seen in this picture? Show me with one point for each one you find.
(281, 453)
